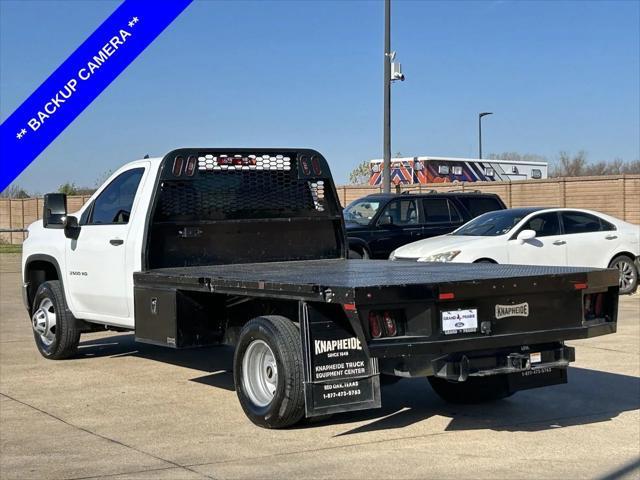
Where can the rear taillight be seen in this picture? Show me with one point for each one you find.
(594, 306)
(384, 323)
(374, 325)
(389, 325)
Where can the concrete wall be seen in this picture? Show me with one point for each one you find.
(17, 213)
(617, 195)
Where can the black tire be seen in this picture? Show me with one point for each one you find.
(286, 408)
(626, 266)
(65, 335)
(485, 260)
(474, 390)
(353, 255)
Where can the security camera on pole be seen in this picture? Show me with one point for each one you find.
(392, 72)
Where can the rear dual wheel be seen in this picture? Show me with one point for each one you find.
(267, 370)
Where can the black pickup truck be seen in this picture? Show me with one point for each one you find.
(379, 223)
(248, 248)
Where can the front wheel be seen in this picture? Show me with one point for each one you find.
(628, 271)
(473, 390)
(55, 328)
(268, 372)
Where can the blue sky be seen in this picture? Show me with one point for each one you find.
(558, 75)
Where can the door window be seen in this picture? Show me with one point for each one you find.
(402, 212)
(479, 205)
(606, 226)
(440, 210)
(113, 205)
(545, 225)
(578, 222)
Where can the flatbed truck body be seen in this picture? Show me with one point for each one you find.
(247, 248)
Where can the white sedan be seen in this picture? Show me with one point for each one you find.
(538, 236)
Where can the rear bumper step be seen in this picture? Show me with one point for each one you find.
(459, 367)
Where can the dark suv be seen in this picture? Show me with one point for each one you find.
(378, 224)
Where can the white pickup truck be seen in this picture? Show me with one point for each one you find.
(248, 248)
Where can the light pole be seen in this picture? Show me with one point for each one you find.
(392, 72)
(386, 142)
(480, 115)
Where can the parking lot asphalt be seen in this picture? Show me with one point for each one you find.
(125, 410)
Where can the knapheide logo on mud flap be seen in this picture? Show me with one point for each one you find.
(517, 310)
(323, 346)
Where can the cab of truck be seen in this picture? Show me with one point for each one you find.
(94, 251)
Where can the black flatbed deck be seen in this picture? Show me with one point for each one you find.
(309, 279)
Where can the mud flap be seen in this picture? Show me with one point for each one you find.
(339, 376)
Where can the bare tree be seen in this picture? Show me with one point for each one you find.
(631, 167)
(570, 166)
(103, 177)
(14, 191)
(517, 157)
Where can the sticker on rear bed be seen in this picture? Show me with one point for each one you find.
(519, 310)
(459, 321)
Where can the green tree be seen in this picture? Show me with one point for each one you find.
(360, 174)
(68, 188)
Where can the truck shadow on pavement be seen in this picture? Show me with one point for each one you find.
(591, 396)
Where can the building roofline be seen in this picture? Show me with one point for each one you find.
(461, 159)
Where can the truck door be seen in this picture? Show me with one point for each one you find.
(96, 263)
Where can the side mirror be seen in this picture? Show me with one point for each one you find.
(54, 210)
(385, 220)
(71, 227)
(525, 235)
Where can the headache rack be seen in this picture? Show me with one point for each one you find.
(216, 206)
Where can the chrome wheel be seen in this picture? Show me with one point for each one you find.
(628, 274)
(259, 373)
(44, 321)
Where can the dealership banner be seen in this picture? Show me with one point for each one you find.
(80, 79)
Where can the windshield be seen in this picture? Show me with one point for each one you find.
(361, 211)
(491, 224)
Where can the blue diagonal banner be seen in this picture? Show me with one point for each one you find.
(80, 79)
